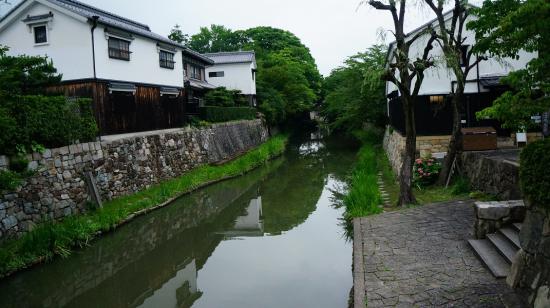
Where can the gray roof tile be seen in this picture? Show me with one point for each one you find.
(232, 57)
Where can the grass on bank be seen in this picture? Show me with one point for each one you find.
(50, 239)
(364, 198)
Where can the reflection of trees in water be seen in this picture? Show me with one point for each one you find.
(291, 193)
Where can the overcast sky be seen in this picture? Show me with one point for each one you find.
(332, 29)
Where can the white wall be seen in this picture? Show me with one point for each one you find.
(238, 76)
(69, 47)
(437, 80)
(143, 66)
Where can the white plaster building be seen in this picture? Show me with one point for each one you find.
(134, 76)
(433, 115)
(234, 71)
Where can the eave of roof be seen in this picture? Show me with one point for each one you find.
(217, 57)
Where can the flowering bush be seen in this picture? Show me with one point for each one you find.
(426, 171)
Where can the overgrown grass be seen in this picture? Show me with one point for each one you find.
(51, 239)
(363, 197)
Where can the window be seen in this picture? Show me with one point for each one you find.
(40, 34)
(166, 59)
(119, 49)
(464, 55)
(437, 99)
(253, 74)
(196, 72)
(216, 74)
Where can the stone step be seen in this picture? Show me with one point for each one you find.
(517, 226)
(503, 246)
(487, 252)
(512, 235)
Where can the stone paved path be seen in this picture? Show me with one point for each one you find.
(420, 258)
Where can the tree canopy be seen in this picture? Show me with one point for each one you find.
(503, 29)
(288, 81)
(355, 91)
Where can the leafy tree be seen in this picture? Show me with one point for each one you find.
(217, 38)
(450, 38)
(222, 97)
(344, 106)
(178, 36)
(407, 74)
(25, 74)
(503, 29)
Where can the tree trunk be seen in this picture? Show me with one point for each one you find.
(455, 144)
(405, 178)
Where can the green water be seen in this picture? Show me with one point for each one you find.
(271, 238)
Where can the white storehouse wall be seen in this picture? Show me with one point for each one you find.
(237, 76)
(69, 42)
(438, 79)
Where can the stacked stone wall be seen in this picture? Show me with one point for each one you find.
(531, 267)
(120, 167)
(394, 145)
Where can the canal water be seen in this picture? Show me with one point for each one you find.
(271, 238)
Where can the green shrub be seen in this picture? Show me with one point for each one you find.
(461, 186)
(222, 97)
(534, 175)
(19, 164)
(50, 121)
(224, 114)
(9, 180)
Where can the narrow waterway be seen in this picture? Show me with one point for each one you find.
(271, 238)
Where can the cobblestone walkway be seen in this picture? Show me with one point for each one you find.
(420, 258)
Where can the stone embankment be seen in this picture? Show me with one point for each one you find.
(119, 167)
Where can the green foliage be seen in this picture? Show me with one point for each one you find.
(222, 97)
(354, 93)
(24, 75)
(534, 175)
(58, 239)
(288, 81)
(217, 38)
(9, 180)
(51, 121)
(225, 114)
(178, 36)
(19, 164)
(461, 186)
(363, 197)
(504, 28)
(425, 171)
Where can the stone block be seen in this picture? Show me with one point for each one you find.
(47, 153)
(85, 147)
(64, 150)
(543, 298)
(9, 222)
(57, 163)
(65, 197)
(491, 210)
(531, 231)
(73, 148)
(67, 175)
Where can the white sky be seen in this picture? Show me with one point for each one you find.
(332, 29)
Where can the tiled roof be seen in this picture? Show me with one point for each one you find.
(232, 57)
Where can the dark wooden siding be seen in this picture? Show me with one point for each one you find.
(119, 112)
(434, 119)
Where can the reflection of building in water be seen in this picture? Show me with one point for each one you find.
(310, 147)
(250, 224)
(180, 291)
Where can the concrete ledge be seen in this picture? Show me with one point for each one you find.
(491, 216)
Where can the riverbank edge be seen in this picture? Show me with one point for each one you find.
(84, 229)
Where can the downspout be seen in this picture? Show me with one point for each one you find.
(95, 18)
(94, 26)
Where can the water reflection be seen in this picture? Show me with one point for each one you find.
(267, 239)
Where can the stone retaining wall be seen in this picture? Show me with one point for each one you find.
(492, 173)
(531, 267)
(394, 145)
(120, 167)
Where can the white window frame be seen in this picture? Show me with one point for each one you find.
(45, 25)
